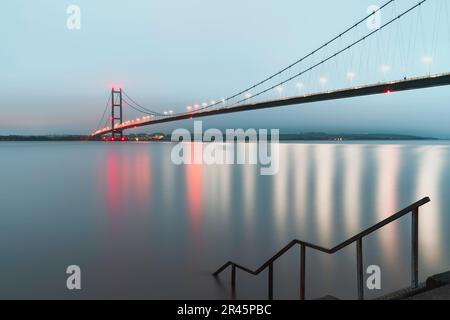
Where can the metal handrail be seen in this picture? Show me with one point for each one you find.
(413, 208)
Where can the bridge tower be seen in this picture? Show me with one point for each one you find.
(116, 114)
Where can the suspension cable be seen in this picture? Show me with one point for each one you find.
(333, 55)
(104, 112)
(139, 110)
(138, 107)
(147, 111)
(303, 58)
(277, 73)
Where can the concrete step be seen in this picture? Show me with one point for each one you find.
(441, 293)
(328, 297)
(437, 288)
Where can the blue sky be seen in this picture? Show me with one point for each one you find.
(170, 54)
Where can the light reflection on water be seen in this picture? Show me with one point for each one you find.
(124, 211)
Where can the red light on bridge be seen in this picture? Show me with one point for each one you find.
(122, 139)
(115, 86)
(113, 139)
(388, 91)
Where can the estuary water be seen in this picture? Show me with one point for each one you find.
(140, 227)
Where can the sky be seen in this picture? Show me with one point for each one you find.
(170, 54)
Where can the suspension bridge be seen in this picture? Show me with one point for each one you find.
(253, 97)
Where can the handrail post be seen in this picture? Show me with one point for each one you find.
(233, 281)
(358, 239)
(302, 271)
(359, 269)
(415, 248)
(271, 281)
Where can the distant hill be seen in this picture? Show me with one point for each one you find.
(44, 138)
(350, 136)
(310, 136)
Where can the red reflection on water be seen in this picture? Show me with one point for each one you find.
(194, 187)
(388, 172)
(388, 163)
(142, 178)
(113, 183)
(428, 183)
(127, 182)
(353, 162)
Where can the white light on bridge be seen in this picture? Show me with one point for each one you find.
(204, 104)
(189, 108)
(213, 102)
(351, 75)
(280, 89)
(323, 80)
(427, 59)
(299, 85)
(385, 68)
(248, 95)
(170, 112)
(165, 113)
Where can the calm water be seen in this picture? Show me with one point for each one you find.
(141, 227)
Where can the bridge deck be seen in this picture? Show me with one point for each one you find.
(372, 89)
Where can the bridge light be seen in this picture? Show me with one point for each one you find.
(323, 80)
(280, 90)
(248, 95)
(189, 108)
(388, 91)
(385, 68)
(351, 75)
(204, 104)
(427, 59)
(299, 85)
(165, 113)
(122, 139)
(170, 112)
(113, 139)
(213, 102)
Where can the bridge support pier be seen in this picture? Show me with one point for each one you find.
(116, 114)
